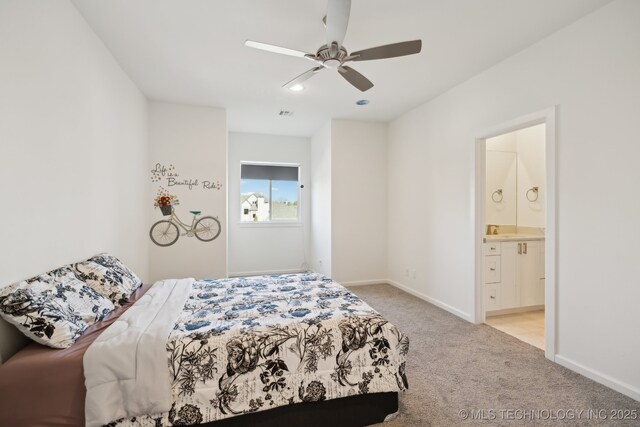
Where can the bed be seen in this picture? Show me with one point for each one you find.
(264, 350)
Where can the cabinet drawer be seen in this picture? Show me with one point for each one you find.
(491, 297)
(492, 269)
(492, 248)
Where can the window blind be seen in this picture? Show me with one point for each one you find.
(274, 173)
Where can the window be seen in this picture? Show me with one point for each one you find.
(269, 193)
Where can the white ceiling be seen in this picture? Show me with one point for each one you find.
(192, 51)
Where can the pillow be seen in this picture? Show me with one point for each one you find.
(53, 308)
(109, 277)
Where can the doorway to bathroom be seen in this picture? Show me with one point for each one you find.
(515, 229)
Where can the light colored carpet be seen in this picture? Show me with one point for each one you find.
(454, 365)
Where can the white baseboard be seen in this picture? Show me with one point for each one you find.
(612, 383)
(437, 303)
(364, 282)
(263, 273)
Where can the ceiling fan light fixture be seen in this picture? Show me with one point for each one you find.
(332, 63)
(296, 88)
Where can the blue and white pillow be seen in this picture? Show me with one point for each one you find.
(109, 277)
(53, 308)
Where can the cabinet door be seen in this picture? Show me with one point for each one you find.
(541, 262)
(509, 288)
(529, 274)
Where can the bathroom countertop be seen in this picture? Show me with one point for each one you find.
(511, 236)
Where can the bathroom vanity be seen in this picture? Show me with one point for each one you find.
(513, 273)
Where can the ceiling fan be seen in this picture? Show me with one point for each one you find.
(333, 55)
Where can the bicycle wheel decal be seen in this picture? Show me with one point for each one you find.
(207, 228)
(164, 233)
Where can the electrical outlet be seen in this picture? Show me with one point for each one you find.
(406, 272)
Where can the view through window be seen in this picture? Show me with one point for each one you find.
(269, 193)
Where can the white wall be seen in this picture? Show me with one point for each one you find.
(590, 70)
(349, 196)
(320, 190)
(73, 147)
(259, 248)
(194, 141)
(358, 201)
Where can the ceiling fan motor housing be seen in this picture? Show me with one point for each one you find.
(329, 59)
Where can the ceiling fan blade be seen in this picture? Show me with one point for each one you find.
(302, 77)
(275, 49)
(388, 51)
(355, 78)
(337, 20)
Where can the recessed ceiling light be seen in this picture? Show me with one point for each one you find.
(296, 88)
(362, 102)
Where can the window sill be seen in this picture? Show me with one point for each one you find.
(276, 224)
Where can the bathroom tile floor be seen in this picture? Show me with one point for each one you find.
(527, 326)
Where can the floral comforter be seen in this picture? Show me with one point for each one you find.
(248, 344)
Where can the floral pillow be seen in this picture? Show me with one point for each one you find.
(53, 308)
(109, 277)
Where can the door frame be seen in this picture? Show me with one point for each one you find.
(548, 117)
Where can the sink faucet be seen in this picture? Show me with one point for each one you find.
(492, 229)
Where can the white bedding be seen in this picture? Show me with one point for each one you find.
(126, 372)
(239, 346)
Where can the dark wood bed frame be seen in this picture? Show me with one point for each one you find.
(353, 411)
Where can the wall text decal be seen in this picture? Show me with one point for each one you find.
(171, 178)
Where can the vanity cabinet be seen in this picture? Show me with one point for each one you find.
(520, 280)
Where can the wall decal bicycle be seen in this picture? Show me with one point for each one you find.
(166, 232)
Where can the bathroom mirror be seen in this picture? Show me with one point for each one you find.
(501, 181)
(515, 174)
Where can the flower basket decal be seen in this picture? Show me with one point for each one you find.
(165, 201)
